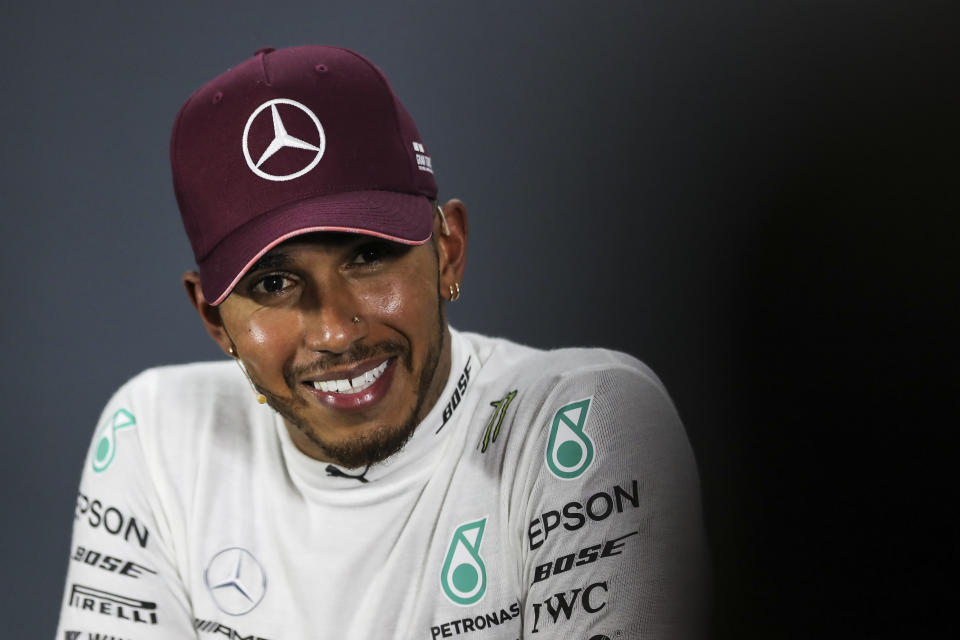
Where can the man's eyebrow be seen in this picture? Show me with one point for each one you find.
(276, 259)
(280, 258)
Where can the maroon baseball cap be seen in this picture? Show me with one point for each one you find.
(294, 141)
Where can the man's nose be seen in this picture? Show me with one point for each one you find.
(334, 323)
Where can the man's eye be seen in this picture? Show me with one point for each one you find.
(273, 284)
(370, 253)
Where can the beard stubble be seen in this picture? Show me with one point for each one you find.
(384, 440)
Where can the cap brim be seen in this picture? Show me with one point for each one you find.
(399, 217)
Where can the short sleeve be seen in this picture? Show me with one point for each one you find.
(122, 580)
(613, 543)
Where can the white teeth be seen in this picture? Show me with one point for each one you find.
(355, 385)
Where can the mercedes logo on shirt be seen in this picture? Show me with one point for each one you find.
(235, 580)
(311, 146)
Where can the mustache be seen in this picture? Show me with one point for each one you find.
(356, 353)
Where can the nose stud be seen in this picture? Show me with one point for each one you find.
(356, 319)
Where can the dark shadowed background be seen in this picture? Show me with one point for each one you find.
(759, 199)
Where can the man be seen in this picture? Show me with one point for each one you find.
(404, 480)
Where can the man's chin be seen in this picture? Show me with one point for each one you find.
(365, 445)
(364, 449)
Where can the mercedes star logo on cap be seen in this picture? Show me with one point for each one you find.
(282, 139)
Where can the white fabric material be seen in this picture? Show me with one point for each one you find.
(578, 517)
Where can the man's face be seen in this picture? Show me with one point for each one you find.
(345, 335)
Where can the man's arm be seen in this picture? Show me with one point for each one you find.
(122, 580)
(613, 541)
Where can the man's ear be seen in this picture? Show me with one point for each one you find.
(209, 314)
(452, 246)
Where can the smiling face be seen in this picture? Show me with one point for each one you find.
(345, 335)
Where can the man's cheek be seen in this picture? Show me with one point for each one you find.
(384, 299)
(258, 335)
(269, 345)
(275, 333)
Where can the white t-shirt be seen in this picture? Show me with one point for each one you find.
(548, 494)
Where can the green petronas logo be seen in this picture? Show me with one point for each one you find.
(107, 443)
(463, 577)
(570, 449)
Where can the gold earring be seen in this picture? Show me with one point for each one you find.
(454, 292)
(233, 352)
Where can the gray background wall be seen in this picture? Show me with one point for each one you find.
(758, 199)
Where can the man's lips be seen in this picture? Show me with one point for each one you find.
(356, 388)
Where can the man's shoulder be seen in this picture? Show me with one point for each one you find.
(531, 389)
(553, 413)
(545, 369)
(179, 413)
(192, 378)
(184, 394)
